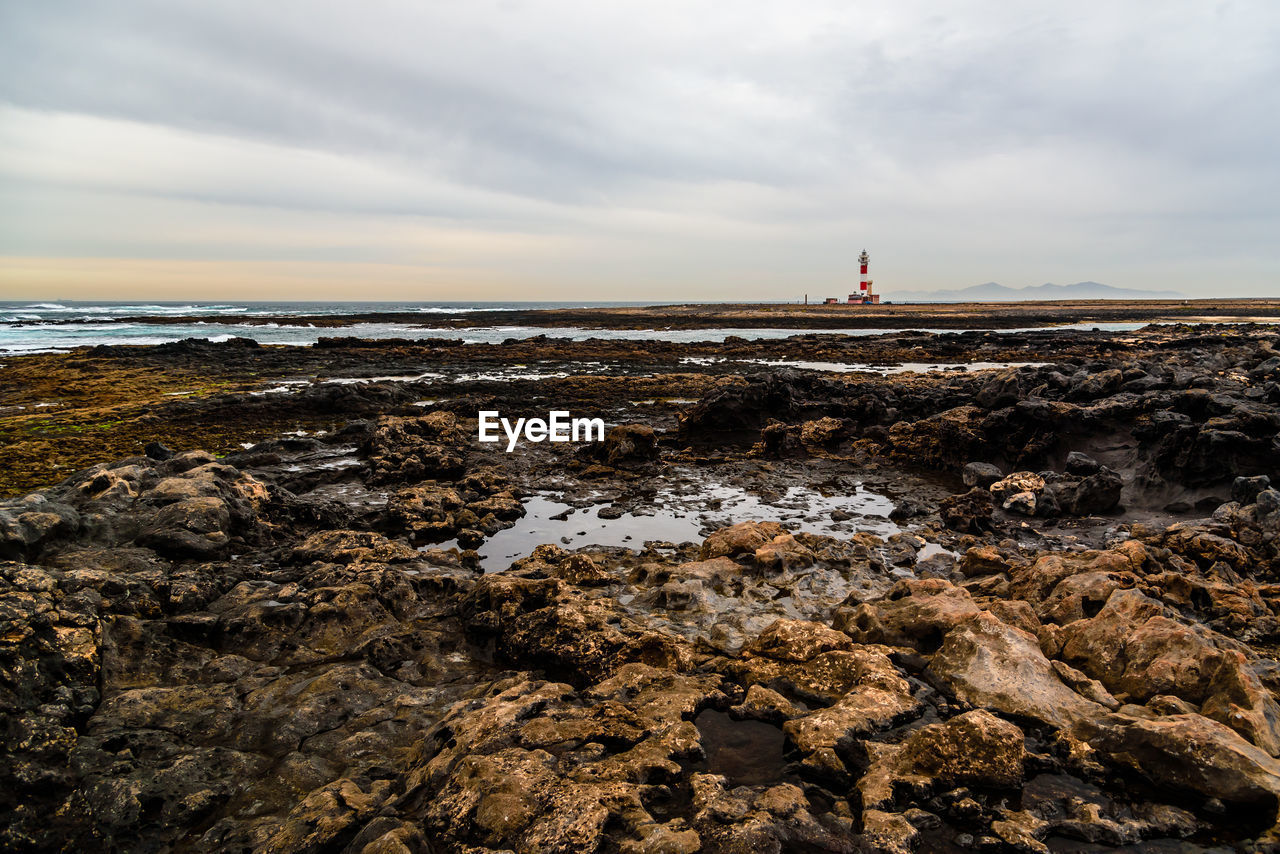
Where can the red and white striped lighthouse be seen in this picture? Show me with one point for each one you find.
(867, 295)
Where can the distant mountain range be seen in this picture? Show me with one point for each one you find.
(993, 292)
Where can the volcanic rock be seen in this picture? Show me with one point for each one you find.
(981, 474)
(1188, 751)
(627, 445)
(967, 513)
(990, 664)
(742, 538)
(1019, 492)
(413, 449)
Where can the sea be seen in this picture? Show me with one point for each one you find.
(49, 327)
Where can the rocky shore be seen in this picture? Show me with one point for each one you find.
(799, 600)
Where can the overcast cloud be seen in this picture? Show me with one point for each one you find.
(655, 150)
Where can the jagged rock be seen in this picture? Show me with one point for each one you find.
(945, 440)
(1244, 490)
(425, 512)
(1203, 544)
(823, 431)
(1081, 464)
(1025, 504)
(533, 766)
(981, 474)
(779, 440)
(1067, 587)
(1097, 385)
(193, 528)
(539, 622)
(34, 523)
(181, 488)
(742, 410)
(1132, 647)
(765, 705)
(972, 749)
(990, 664)
(967, 513)
(1188, 751)
(717, 573)
(414, 449)
(352, 547)
(1021, 831)
(917, 613)
(784, 552)
(780, 818)
(627, 445)
(581, 571)
(889, 833)
(797, 640)
(742, 538)
(1098, 492)
(1019, 492)
(983, 560)
(313, 685)
(1090, 689)
(51, 668)
(878, 697)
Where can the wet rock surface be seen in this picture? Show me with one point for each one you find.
(1020, 609)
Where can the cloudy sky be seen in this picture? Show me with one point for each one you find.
(422, 149)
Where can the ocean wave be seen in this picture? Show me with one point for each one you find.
(181, 309)
(112, 309)
(163, 309)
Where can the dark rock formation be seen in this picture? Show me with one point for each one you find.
(263, 651)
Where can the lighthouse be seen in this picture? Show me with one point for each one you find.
(866, 295)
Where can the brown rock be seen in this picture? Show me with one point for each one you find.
(742, 538)
(823, 431)
(415, 449)
(195, 527)
(629, 444)
(797, 640)
(968, 513)
(352, 547)
(973, 749)
(763, 704)
(990, 664)
(784, 553)
(983, 560)
(916, 613)
(1188, 752)
(582, 571)
(879, 698)
(889, 833)
(1018, 492)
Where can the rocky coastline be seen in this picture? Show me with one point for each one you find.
(979, 591)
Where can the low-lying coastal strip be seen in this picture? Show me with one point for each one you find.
(814, 315)
(998, 589)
